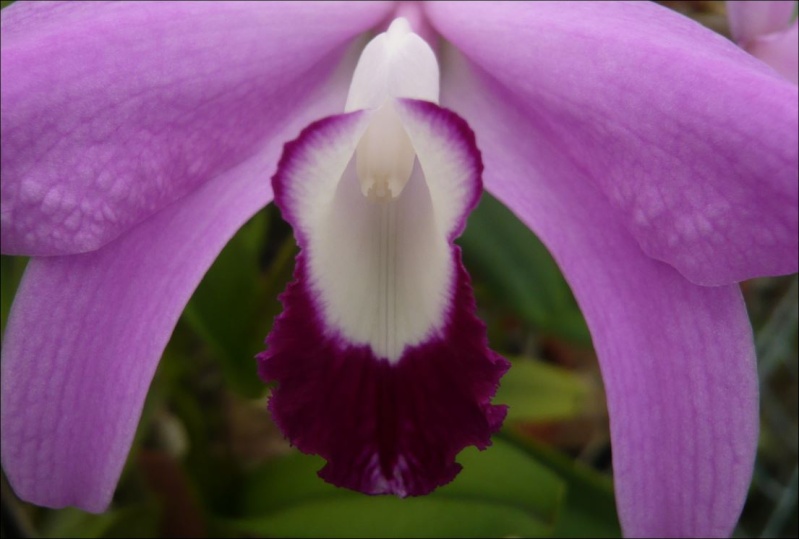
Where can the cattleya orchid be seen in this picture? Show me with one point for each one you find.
(656, 160)
(769, 31)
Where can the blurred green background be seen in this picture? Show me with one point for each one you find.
(209, 462)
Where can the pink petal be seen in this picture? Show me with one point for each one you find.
(780, 51)
(86, 331)
(752, 19)
(692, 141)
(387, 402)
(112, 111)
(677, 359)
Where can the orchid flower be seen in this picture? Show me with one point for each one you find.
(769, 31)
(655, 159)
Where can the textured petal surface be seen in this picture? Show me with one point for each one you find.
(677, 359)
(382, 369)
(692, 141)
(780, 51)
(752, 19)
(86, 331)
(113, 111)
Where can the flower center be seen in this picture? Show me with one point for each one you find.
(397, 63)
(384, 156)
(382, 210)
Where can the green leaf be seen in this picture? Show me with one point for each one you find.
(500, 492)
(140, 520)
(11, 270)
(233, 308)
(589, 509)
(537, 391)
(500, 251)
